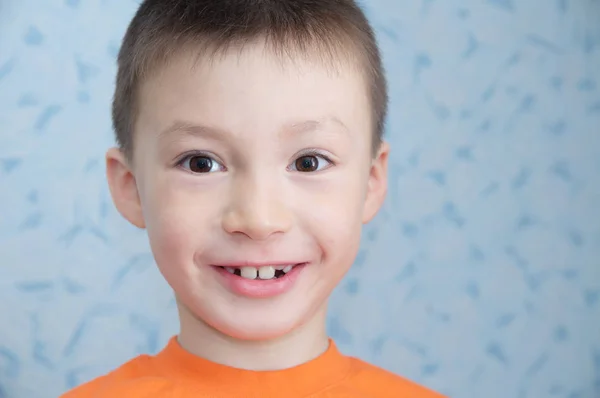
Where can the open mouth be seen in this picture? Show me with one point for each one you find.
(266, 272)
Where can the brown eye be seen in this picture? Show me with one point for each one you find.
(307, 163)
(201, 164)
(310, 163)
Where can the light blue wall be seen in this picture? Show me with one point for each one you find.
(481, 277)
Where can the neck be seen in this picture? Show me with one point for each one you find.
(305, 343)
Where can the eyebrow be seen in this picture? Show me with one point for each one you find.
(187, 128)
(312, 125)
(295, 128)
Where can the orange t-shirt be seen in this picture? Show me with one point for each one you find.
(176, 373)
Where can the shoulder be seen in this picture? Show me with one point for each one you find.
(135, 378)
(380, 383)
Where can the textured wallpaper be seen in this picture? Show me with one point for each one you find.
(480, 277)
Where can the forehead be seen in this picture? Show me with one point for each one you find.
(252, 90)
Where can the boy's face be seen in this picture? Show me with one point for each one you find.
(251, 160)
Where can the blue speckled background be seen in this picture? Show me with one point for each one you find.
(480, 278)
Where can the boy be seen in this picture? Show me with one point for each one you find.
(250, 148)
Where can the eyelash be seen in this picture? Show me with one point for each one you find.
(188, 155)
(316, 153)
(310, 152)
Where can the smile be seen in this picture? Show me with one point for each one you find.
(260, 280)
(264, 272)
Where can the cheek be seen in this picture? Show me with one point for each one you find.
(174, 206)
(335, 216)
(171, 243)
(176, 222)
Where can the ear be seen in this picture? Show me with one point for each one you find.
(377, 185)
(123, 187)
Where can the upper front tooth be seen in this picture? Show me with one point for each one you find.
(266, 272)
(249, 272)
(288, 268)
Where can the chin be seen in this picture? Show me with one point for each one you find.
(259, 325)
(254, 332)
(249, 324)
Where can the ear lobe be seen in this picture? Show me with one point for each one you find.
(123, 187)
(377, 185)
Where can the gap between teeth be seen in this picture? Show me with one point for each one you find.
(266, 272)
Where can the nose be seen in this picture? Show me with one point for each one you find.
(257, 209)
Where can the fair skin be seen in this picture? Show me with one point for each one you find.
(251, 159)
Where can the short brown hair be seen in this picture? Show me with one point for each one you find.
(160, 28)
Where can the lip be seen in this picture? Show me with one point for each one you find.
(258, 288)
(256, 264)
